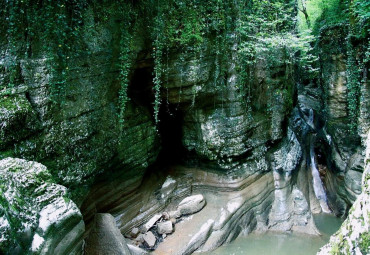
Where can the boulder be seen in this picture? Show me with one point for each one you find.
(35, 214)
(149, 239)
(134, 232)
(191, 204)
(105, 238)
(140, 238)
(145, 228)
(166, 216)
(136, 250)
(165, 227)
(174, 215)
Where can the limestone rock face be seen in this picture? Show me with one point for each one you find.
(218, 125)
(198, 239)
(105, 238)
(36, 211)
(353, 237)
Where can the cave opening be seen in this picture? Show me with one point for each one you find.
(170, 129)
(170, 125)
(140, 87)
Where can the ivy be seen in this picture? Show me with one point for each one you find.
(125, 58)
(158, 47)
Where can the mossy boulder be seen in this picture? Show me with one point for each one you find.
(35, 214)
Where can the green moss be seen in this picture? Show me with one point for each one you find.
(12, 103)
(335, 249)
(364, 242)
(5, 154)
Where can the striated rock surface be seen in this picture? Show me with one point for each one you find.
(342, 149)
(35, 214)
(219, 126)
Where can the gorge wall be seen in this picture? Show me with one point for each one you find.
(249, 150)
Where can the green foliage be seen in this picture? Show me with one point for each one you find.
(55, 27)
(352, 16)
(364, 242)
(125, 62)
(174, 26)
(125, 56)
(183, 26)
(266, 34)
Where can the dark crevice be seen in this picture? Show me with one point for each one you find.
(141, 93)
(170, 131)
(140, 89)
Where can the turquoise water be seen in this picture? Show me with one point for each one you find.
(282, 244)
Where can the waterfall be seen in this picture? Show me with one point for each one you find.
(318, 186)
(310, 119)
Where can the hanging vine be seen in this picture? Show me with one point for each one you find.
(53, 30)
(125, 59)
(158, 47)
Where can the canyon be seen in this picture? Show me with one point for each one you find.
(76, 179)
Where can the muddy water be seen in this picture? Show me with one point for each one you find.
(282, 244)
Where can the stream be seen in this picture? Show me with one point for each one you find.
(282, 243)
(317, 183)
